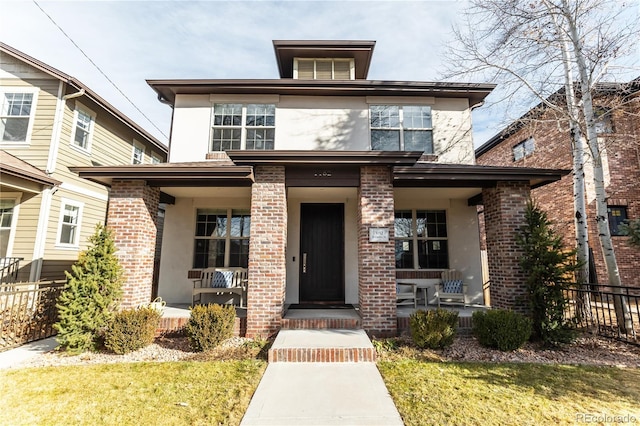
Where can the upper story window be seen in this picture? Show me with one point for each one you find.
(243, 126)
(83, 128)
(155, 158)
(524, 148)
(401, 128)
(604, 124)
(421, 239)
(323, 69)
(137, 156)
(16, 116)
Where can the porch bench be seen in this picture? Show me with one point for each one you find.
(219, 281)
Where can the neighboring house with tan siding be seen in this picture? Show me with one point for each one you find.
(543, 141)
(50, 122)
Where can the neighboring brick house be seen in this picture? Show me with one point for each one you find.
(326, 186)
(545, 142)
(49, 122)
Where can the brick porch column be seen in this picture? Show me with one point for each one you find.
(376, 260)
(267, 262)
(504, 215)
(133, 210)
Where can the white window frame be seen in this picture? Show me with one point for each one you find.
(401, 126)
(134, 148)
(524, 148)
(351, 61)
(32, 114)
(243, 124)
(16, 197)
(76, 243)
(92, 115)
(155, 158)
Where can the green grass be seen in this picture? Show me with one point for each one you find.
(172, 393)
(432, 393)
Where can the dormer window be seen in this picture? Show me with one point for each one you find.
(323, 69)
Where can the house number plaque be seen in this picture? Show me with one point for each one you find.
(379, 235)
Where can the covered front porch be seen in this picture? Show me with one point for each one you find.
(384, 218)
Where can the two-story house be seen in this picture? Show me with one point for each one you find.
(540, 140)
(50, 121)
(327, 186)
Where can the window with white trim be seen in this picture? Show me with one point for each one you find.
(222, 238)
(82, 133)
(524, 148)
(421, 239)
(243, 126)
(7, 206)
(155, 158)
(137, 156)
(17, 111)
(69, 224)
(401, 128)
(323, 69)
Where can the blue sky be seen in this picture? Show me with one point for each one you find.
(131, 41)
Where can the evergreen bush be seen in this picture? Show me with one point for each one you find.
(550, 270)
(90, 296)
(132, 329)
(433, 329)
(209, 325)
(501, 329)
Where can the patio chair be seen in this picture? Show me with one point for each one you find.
(451, 289)
(407, 294)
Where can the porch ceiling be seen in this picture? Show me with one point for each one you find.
(304, 157)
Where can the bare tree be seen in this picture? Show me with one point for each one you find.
(537, 47)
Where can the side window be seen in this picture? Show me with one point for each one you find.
(7, 214)
(82, 133)
(617, 216)
(524, 148)
(17, 112)
(137, 156)
(69, 223)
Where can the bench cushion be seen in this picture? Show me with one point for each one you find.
(452, 286)
(222, 279)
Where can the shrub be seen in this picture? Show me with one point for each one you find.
(91, 295)
(550, 270)
(433, 329)
(501, 329)
(209, 325)
(132, 329)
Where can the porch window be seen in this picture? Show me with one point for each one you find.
(222, 238)
(401, 128)
(238, 126)
(6, 221)
(421, 239)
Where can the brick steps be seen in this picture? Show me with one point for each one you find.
(322, 345)
(321, 323)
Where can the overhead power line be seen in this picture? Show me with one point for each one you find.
(99, 69)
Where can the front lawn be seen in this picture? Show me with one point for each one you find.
(438, 393)
(170, 393)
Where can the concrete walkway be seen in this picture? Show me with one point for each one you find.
(13, 358)
(321, 393)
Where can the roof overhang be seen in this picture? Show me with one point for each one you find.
(20, 175)
(300, 157)
(459, 176)
(168, 89)
(360, 50)
(171, 174)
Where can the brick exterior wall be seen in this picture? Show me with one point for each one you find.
(267, 261)
(376, 262)
(553, 150)
(132, 215)
(504, 210)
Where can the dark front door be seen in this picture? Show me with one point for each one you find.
(322, 253)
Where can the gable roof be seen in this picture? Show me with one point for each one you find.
(626, 89)
(72, 81)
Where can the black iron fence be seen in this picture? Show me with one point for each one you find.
(611, 311)
(9, 267)
(27, 312)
